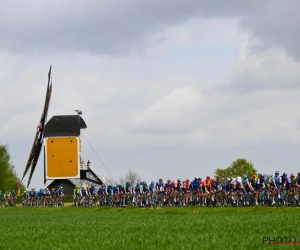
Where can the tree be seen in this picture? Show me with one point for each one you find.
(131, 176)
(111, 181)
(238, 168)
(8, 175)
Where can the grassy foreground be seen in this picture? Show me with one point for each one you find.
(133, 228)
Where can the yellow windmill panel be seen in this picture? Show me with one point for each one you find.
(62, 157)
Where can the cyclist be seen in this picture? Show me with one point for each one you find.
(40, 195)
(122, 194)
(83, 195)
(246, 185)
(76, 195)
(32, 196)
(53, 195)
(59, 196)
(236, 184)
(275, 184)
(46, 196)
(102, 192)
(151, 192)
(137, 191)
(13, 195)
(260, 185)
(6, 198)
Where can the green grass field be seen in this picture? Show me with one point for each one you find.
(133, 228)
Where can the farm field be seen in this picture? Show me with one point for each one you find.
(134, 228)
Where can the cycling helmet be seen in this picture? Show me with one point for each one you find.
(228, 179)
(245, 176)
(292, 174)
(208, 177)
(259, 175)
(284, 174)
(183, 181)
(152, 182)
(199, 178)
(61, 187)
(41, 190)
(179, 180)
(253, 176)
(196, 178)
(138, 183)
(299, 173)
(53, 188)
(277, 172)
(187, 180)
(212, 178)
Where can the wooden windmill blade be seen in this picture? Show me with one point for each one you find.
(35, 160)
(31, 154)
(38, 138)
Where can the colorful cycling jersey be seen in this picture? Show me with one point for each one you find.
(121, 189)
(159, 186)
(226, 185)
(127, 187)
(286, 182)
(102, 190)
(46, 192)
(138, 189)
(40, 194)
(59, 191)
(24, 195)
(271, 180)
(115, 190)
(278, 180)
(109, 189)
(168, 187)
(236, 182)
(216, 186)
(83, 192)
(195, 185)
(92, 191)
(260, 183)
(245, 183)
(77, 191)
(145, 188)
(179, 187)
(32, 194)
(151, 188)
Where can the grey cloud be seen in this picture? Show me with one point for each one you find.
(110, 27)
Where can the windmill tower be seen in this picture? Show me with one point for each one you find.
(62, 147)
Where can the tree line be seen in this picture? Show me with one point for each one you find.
(8, 176)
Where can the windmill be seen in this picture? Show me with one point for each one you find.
(62, 147)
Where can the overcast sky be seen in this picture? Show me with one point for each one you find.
(170, 89)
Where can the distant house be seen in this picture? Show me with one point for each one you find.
(67, 185)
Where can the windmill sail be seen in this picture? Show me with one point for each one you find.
(38, 139)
